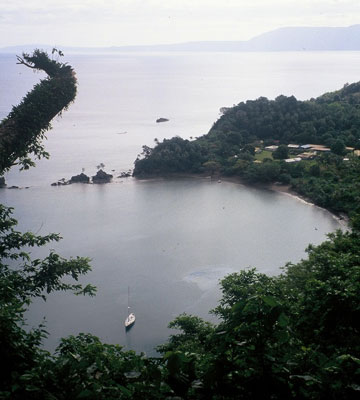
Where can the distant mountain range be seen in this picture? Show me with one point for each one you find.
(282, 39)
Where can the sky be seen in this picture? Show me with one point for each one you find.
(94, 23)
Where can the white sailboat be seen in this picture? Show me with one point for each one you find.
(130, 319)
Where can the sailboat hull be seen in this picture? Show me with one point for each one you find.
(130, 320)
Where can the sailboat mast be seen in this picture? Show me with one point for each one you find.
(130, 320)
(128, 300)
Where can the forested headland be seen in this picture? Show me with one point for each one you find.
(309, 145)
(292, 336)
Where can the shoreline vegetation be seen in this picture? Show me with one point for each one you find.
(311, 146)
(291, 336)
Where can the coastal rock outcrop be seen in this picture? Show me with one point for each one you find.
(162, 120)
(61, 182)
(125, 174)
(2, 182)
(102, 177)
(81, 178)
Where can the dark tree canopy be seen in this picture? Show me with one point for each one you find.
(281, 152)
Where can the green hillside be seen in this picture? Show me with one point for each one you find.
(236, 146)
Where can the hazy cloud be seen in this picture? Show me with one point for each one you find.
(115, 22)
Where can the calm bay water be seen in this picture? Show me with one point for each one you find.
(170, 241)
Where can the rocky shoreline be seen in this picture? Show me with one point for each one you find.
(99, 178)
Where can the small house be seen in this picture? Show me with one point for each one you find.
(307, 155)
(293, 160)
(320, 147)
(271, 148)
(306, 146)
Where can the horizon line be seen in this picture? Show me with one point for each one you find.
(98, 47)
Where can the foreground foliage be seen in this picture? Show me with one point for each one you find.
(22, 279)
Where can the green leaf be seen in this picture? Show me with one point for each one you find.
(270, 301)
(306, 378)
(126, 391)
(84, 394)
(283, 320)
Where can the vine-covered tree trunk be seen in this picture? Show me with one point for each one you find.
(22, 131)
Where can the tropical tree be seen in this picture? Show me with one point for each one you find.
(212, 167)
(338, 147)
(22, 131)
(21, 277)
(281, 152)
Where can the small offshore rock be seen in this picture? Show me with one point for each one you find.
(162, 120)
(13, 187)
(61, 182)
(81, 178)
(102, 177)
(125, 174)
